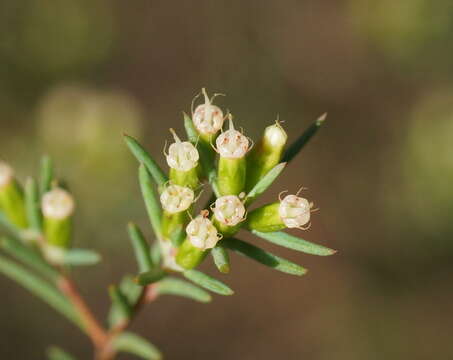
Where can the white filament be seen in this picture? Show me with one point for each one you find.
(229, 210)
(176, 198)
(57, 204)
(182, 155)
(202, 233)
(294, 211)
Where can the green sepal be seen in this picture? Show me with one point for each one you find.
(265, 219)
(189, 256)
(58, 231)
(12, 203)
(231, 176)
(185, 178)
(221, 258)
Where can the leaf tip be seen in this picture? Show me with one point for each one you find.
(321, 119)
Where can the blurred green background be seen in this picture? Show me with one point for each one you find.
(75, 74)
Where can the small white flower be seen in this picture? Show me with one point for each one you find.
(182, 155)
(202, 233)
(229, 210)
(207, 118)
(231, 143)
(176, 198)
(294, 211)
(57, 204)
(275, 135)
(6, 174)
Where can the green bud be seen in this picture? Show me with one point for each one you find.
(185, 178)
(57, 207)
(266, 154)
(12, 201)
(189, 256)
(265, 218)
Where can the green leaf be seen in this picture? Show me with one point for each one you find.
(10, 227)
(81, 257)
(264, 183)
(134, 344)
(40, 288)
(191, 132)
(120, 302)
(32, 205)
(294, 243)
(56, 353)
(152, 203)
(263, 257)
(178, 287)
(29, 256)
(131, 291)
(221, 258)
(141, 248)
(151, 276)
(303, 139)
(143, 157)
(155, 253)
(46, 175)
(208, 282)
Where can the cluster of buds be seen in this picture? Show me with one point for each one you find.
(240, 166)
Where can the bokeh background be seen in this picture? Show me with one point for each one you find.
(75, 74)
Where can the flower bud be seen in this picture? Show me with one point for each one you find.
(182, 156)
(231, 144)
(229, 210)
(202, 233)
(294, 211)
(57, 208)
(12, 202)
(266, 154)
(175, 198)
(207, 118)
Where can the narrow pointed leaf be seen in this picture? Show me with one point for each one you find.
(32, 205)
(141, 248)
(292, 242)
(120, 302)
(221, 258)
(56, 353)
(191, 132)
(6, 224)
(150, 197)
(143, 157)
(155, 253)
(151, 276)
(134, 344)
(178, 287)
(40, 288)
(29, 256)
(264, 183)
(208, 282)
(46, 175)
(131, 291)
(81, 257)
(303, 139)
(263, 257)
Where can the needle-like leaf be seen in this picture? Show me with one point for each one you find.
(151, 276)
(145, 158)
(141, 248)
(131, 291)
(303, 139)
(56, 353)
(81, 257)
(262, 185)
(32, 205)
(40, 288)
(208, 282)
(263, 257)
(150, 197)
(11, 228)
(120, 302)
(221, 258)
(46, 175)
(178, 287)
(134, 344)
(292, 242)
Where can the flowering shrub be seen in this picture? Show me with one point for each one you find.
(39, 221)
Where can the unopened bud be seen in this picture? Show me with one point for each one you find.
(6, 174)
(202, 233)
(182, 155)
(294, 211)
(176, 198)
(207, 118)
(275, 135)
(57, 204)
(231, 144)
(229, 210)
